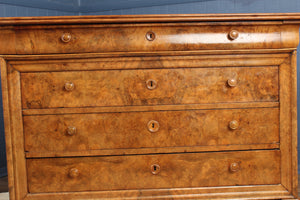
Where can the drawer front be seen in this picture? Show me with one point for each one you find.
(144, 38)
(149, 87)
(153, 171)
(75, 132)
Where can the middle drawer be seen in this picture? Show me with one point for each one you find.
(76, 132)
(149, 87)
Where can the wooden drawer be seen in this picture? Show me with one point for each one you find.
(149, 87)
(143, 38)
(153, 171)
(75, 132)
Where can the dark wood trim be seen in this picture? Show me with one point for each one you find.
(281, 17)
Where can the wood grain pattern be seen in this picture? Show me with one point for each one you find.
(174, 86)
(129, 38)
(15, 131)
(228, 192)
(129, 130)
(79, 57)
(151, 107)
(294, 137)
(109, 109)
(130, 172)
(285, 123)
(47, 40)
(159, 150)
(74, 62)
(264, 18)
(8, 136)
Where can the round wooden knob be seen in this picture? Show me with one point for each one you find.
(66, 37)
(71, 130)
(233, 125)
(73, 172)
(232, 82)
(233, 34)
(155, 169)
(234, 167)
(69, 86)
(151, 84)
(153, 126)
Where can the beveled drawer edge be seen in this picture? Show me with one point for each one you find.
(83, 110)
(144, 151)
(84, 65)
(19, 59)
(228, 192)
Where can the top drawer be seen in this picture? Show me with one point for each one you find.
(143, 38)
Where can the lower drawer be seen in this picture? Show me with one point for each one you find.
(153, 171)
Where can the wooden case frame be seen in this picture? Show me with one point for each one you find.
(285, 58)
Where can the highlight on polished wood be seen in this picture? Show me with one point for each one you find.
(150, 106)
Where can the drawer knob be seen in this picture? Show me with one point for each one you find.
(155, 169)
(233, 34)
(233, 125)
(66, 37)
(153, 126)
(232, 82)
(151, 84)
(234, 167)
(150, 36)
(69, 86)
(73, 172)
(71, 130)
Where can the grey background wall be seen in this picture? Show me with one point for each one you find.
(12, 8)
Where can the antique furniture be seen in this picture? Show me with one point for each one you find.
(150, 107)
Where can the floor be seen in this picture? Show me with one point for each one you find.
(4, 188)
(3, 184)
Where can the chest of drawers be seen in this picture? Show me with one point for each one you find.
(150, 107)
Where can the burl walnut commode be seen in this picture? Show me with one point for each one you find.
(150, 107)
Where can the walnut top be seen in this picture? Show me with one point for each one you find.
(293, 18)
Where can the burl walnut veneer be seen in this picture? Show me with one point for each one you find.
(150, 107)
